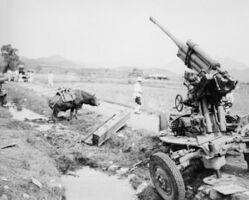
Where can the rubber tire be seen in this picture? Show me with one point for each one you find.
(163, 121)
(170, 167)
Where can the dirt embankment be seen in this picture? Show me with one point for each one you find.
(44, 155)
(27, 171)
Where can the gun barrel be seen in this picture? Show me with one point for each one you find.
(178, 42)
(190, 53)
(205, 57)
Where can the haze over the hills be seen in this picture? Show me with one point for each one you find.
(174, 68)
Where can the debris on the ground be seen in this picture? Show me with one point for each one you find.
(36, 182)
(214, 195)
(136, 165)
(4, 197)
(113, 168)
(106, 129)
(56, 186)
(8, 146)
(6, 187)
(141, 187)
(122, 171)
(72, 174)
(4, 178)
(25, 196)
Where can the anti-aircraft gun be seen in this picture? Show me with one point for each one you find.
(203, 136)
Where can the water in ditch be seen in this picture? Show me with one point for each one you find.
(90, 184)
(26, 114)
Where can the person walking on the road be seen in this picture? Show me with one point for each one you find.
(50, 79)
(138, 94)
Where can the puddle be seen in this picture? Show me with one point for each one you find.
(95, 185)
(26, 114)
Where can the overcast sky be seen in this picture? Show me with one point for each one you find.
(118, 32)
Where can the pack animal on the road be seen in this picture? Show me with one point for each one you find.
(80, 97)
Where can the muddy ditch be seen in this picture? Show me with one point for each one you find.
(115, 157)
(64, 139)
(70, 154)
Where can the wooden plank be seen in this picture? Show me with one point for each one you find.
(88, 138)
(113, 125)
(8, 146)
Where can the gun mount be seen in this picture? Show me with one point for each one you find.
(203, 136)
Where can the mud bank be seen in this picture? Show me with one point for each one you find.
(26, 169)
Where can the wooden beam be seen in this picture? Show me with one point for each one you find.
(112, 126)
(104, 131)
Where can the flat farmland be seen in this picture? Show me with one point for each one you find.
(154, 98)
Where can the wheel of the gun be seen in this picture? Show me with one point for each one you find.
(179, 103)
(166, 177)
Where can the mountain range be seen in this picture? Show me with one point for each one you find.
(174, 68)
(236, 69)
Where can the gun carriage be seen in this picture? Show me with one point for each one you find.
(204, 135)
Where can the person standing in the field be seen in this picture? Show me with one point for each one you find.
(138, 94)
(51, 79)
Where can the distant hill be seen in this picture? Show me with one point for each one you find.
(241, 74)
(174, 70)
(149, 71)
(231, 64)
(236, 69)
(56, 61)
(161, 71)
(51, 61)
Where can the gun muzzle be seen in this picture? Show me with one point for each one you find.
(153, 20)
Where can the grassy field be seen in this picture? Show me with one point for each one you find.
(26, 163)
(155, 99)
(157, 95)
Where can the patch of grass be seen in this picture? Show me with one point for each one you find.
(25, 161)
(17, 125)
(154, 99)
